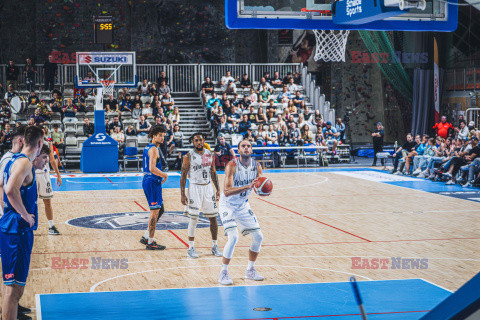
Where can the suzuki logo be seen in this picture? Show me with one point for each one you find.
(100, 137)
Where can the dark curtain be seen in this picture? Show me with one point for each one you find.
(423, 103)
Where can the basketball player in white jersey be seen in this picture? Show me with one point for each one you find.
(199, 166)
(235, 212)
(44, 185)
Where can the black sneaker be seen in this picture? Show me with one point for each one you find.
(143, 240)
(154, 246)
(22, 316)
(23, 309)
(53, 231)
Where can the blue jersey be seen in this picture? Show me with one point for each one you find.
(146, 162)
(11, 221)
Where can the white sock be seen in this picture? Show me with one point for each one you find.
(50, 223)
(146, 235)
(214, 242)
(191, 244)
(224, 267)
(251, 265)
(150, 240)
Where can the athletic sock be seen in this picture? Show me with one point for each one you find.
(50, 223)
(224, 267)
(150, 240)
(146, 235)
(191, 244)
(214, 242)
(251, 265)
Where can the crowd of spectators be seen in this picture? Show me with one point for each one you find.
(273, 111)
(452, 155)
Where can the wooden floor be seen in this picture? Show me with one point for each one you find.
(313, 224)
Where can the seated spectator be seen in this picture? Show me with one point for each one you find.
(462, 130)
(264, 94)
(307, 135)
(292, 109)
(33, 99)
(261, 118)
(167, 101)
(130, 132)
(207, 89)
(310, 118)
(107, 129)
(126, 104)
(318, 118)
(463, 159)
(403, 151)
(160, 115)
(88, 128)
(340, 126)
(147, 111)
(279, 123)
(174, 116)
(297, 78)
(118, 136)
(216, 115)
(163, 78)
(78, 99)
(167, 144)
(58, 139)
(331, 136)
(294, 134)
(250, 136)
(223, 152)
(286, 79)
(137, 100)
(283, 135)
(56, 102)
(262, 82)
(10, 94)
(262, 134)
(164, 88)
(271, 110)
(276, 82)
(115, 123)
(245, 83)
(224, 127)
(301, 121)
(153, 90)
(144, 90)
(298, 100)
(231, 88)
(252, 116)
(292, 87)
(253, 97)
(168, 112)
(143, 126)
(110, 105)
(82, 107)
(244, 125)
(159, 121)
(156, 101)
(177, 136)
(6, 139)
(137, 111)
(69, 111)
(272, 134)
(284, 96)
(243, 104)
(420, 147)
(233, 117)
(157, 109)
(266, 75)
(225, 80)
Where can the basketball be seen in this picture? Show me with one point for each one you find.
(263, 186)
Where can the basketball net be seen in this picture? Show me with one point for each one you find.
(331, 45)
(108, 86)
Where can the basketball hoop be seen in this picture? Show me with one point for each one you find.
(331, 45)
(108, 86)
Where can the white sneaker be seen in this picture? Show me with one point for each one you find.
(192, 253)
(398, 173)
(421, 175)
(224, 278)
(216, 251)
(467, 185)
(417, 172)
(253, 274)
(450, 182)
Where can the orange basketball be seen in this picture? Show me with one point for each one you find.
(263, 186)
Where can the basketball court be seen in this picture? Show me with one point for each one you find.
(321, 226)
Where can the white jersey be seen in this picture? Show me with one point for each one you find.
(5, 159)
(200, 165)
(243, 176)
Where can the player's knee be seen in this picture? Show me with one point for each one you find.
(192, 224)
(233, 236)
(257, 238)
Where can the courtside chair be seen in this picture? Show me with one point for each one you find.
(130, 154)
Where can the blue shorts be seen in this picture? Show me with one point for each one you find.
(152, 187)
(16, 249)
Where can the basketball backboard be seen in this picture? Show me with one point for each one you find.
(92, 67)
(437, 15)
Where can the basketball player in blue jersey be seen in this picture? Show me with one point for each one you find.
(19, 220)
(235, 212)
(153, 178)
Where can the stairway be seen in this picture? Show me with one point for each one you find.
(192, 117)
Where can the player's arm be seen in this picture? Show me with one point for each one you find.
(183, 178)
(152, 164)
(54, 164)
(259, 170)
(19, 172)
(213, 173)
(228, 189)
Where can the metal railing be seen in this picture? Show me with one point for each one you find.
(462, 79)
(187, 78)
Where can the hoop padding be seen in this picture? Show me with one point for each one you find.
(108, 87)
(331, 45)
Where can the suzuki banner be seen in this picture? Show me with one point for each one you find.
(104, 58)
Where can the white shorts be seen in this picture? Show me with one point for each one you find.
(238, 217)
(201, 198)
(44, 185)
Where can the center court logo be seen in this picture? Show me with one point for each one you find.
(170, 220)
